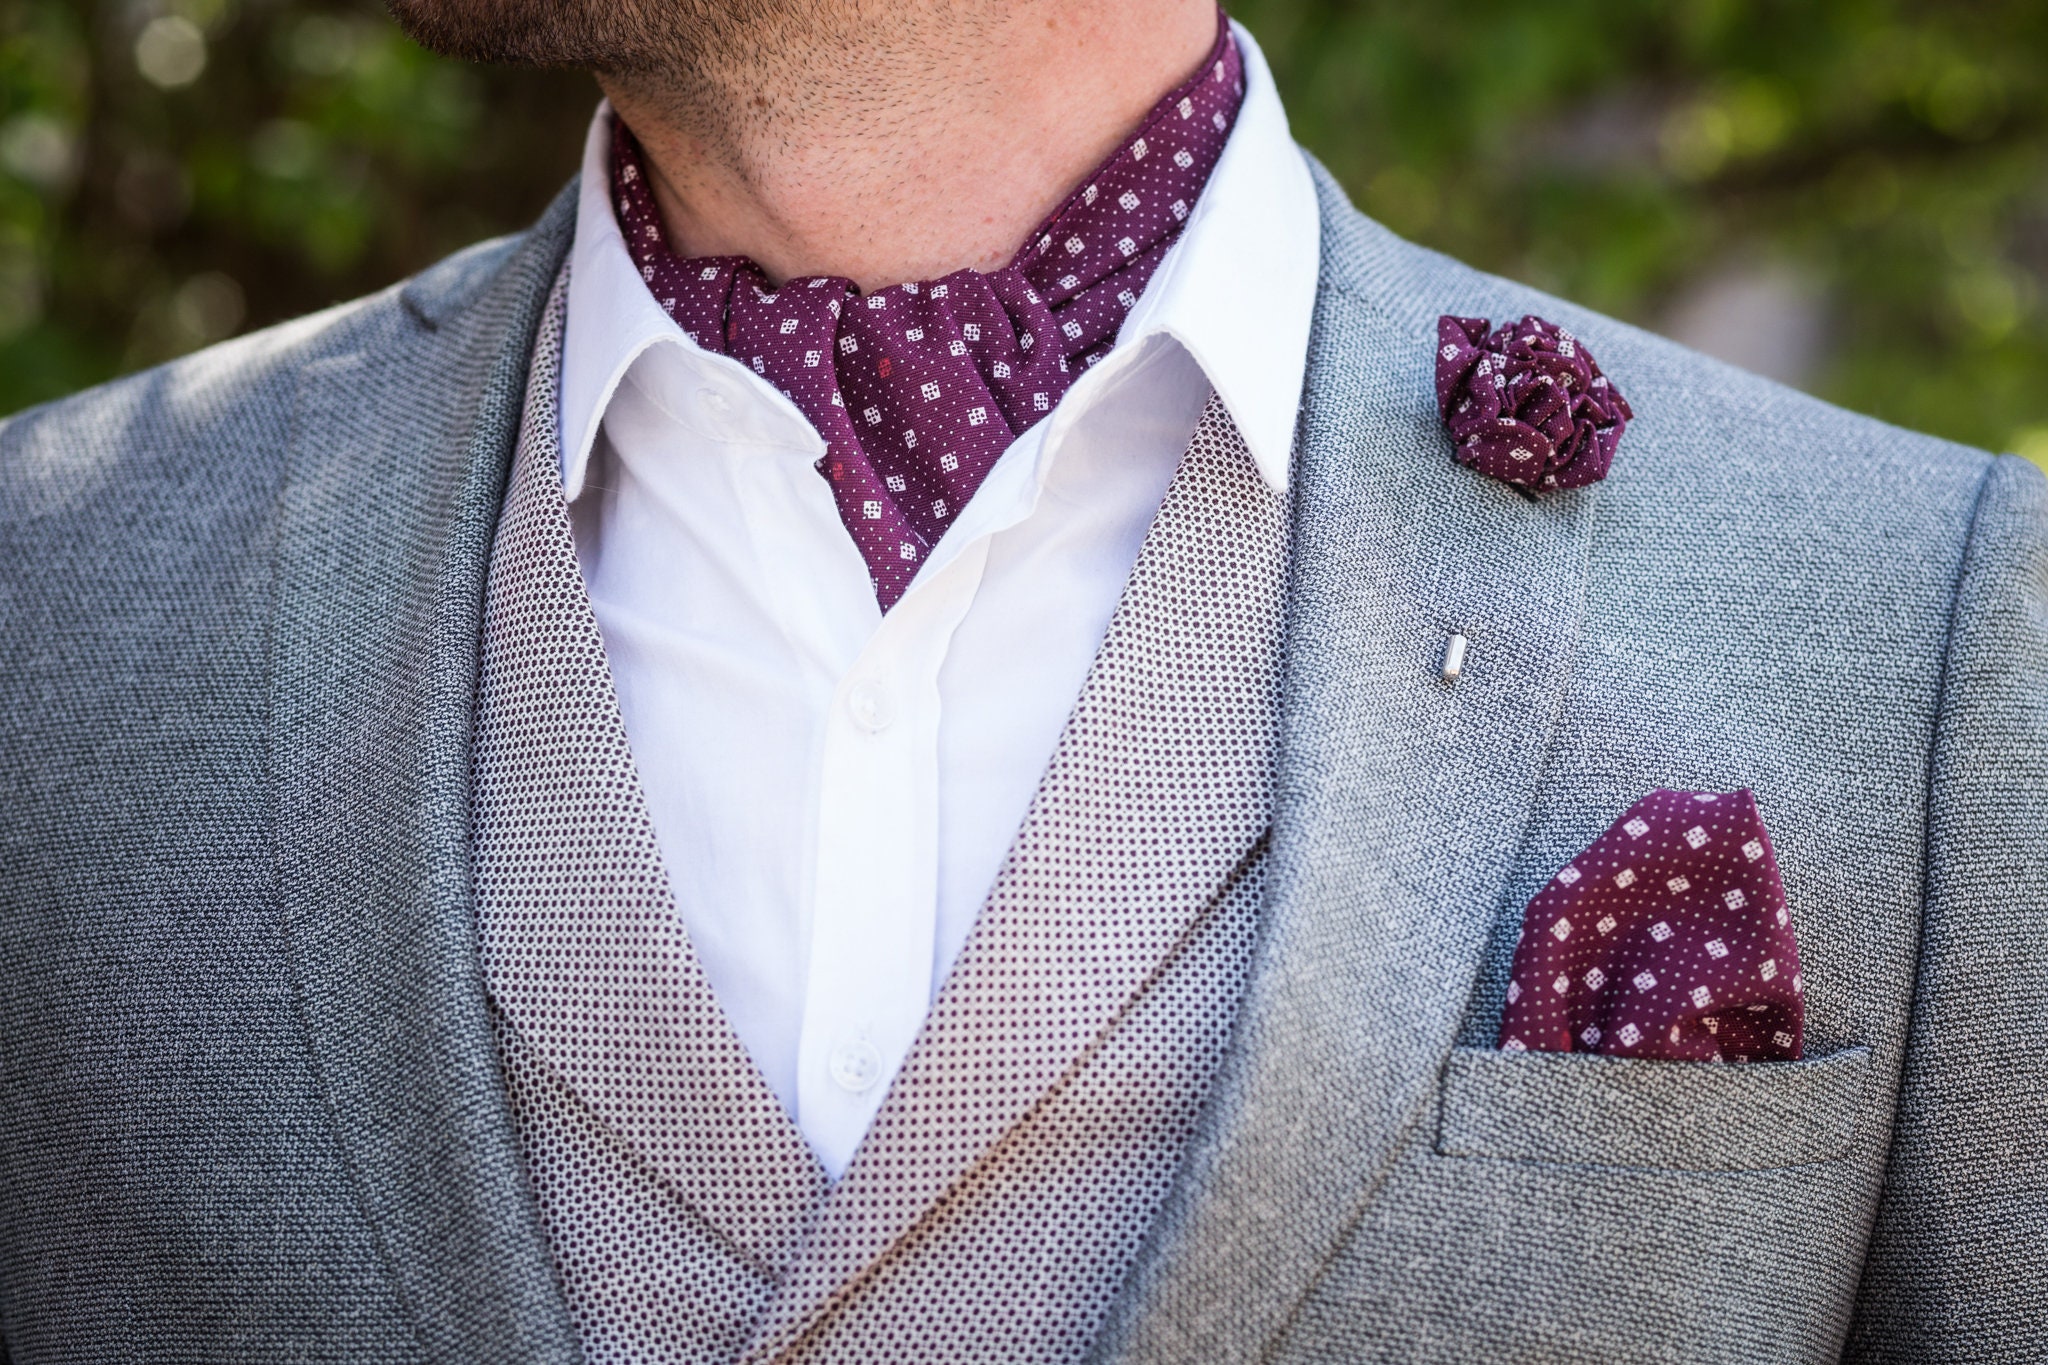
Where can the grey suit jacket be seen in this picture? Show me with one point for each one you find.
(250, 1107)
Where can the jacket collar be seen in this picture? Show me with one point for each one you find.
(1402, 804)
(397, 464)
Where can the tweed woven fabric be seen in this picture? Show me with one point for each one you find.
(1625, 637)
(672, 1183)
(1668, 939)
(918, 388)
(1012, 1171)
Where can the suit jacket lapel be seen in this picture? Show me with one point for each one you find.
(1401, 806)
(1157, 797)
(396, 468)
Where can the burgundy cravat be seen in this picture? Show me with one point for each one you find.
(919, 388)
(1668, 939)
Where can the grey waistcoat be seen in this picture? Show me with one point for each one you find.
(251, 1103)
(995, 1208)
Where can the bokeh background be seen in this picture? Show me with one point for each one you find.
(1847, 195)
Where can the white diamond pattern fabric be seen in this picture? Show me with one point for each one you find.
(1017, 1161)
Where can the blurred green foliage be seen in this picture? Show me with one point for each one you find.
(1893, 156)
(173, 171)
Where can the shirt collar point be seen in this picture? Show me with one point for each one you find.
(1271, 455)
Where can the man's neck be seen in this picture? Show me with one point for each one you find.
(897, 148)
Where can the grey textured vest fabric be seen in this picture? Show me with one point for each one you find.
(672, 1185)
(1005, 1187)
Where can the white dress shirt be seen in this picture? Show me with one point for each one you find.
(834, 789)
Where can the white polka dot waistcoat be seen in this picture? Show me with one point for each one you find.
(997, 1202)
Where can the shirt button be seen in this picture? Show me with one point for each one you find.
(715, 401)
(856, 1066)
(869, 707)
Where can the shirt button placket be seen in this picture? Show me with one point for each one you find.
(871, 946)
(867, 704)
(856, 1065)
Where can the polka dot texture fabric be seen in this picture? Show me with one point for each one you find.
(1001, 1195)
(998, 1202)
(919, 388)
(673, 1186)
(1668, 939)
(1021, 1257)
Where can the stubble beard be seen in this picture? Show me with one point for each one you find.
(593, 35)
(725, 70)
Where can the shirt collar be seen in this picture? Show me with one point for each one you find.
(1237, 290)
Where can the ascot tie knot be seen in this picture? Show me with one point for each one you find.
(919, 388)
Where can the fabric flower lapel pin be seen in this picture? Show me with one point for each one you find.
(1526, 402)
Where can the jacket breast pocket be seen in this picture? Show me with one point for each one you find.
(1575, 1108)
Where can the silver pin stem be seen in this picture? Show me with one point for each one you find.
(1454, 658)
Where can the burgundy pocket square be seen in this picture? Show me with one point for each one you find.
(1669, 939)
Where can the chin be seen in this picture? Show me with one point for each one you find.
(531, 32)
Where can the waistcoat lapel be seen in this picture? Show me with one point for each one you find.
(391, 491)
(1155, 805)
(583, 950)
(1402, 803)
